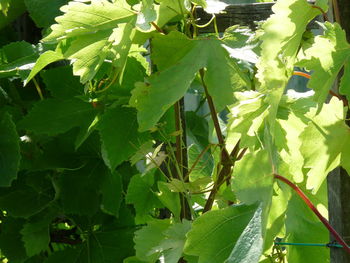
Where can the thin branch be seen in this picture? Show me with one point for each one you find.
(316, 212)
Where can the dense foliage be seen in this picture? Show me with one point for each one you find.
(128, 136)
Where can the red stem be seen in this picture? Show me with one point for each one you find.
(314, 209)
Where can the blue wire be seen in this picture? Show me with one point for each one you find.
(308, 244)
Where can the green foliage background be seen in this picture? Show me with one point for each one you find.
(94, 166)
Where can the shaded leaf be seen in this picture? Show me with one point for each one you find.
(9, 150)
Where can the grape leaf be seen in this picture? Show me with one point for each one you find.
(68, 86)
(35, 233)
(283, 32)
(172, 245)
(253, 178)
(246, 116)
(55, 116)
(177, 71)
(43, 12)
(100, 246)
(10, 239)
(4, 6)
(28, 195)
(215, 233)
(79, 190)
(249, 246)
(9, 150)
(307, 227)
(329, 53)
(149, 237)
(169, 199)
(119, 136)
(44, 59)
(321, 147)
(17, 58)
(141, 196)
(96, 31)
(111, 190)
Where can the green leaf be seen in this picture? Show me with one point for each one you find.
(55, 116)
(111, 190)
(177, 71)
(119, 135)
(204, 165)
(246, 117)
(95, 32)
(28, 195)
(79, 190)
(249, 246)
(46, 58)
(283, 32)
(141, 196)
(322, 148)
(17, 58)
(215, 233)
(253, 178)
(149, 237)
(171, 247)
(10, 239)
(35, 233)
(307, 227)
(169, 199)
(147, 15)
(329, 53)
(68, 86)
(4, 6)
(44, 12)
(9, 148)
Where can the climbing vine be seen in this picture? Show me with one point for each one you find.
(129, 135)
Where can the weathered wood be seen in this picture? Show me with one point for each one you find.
(240, 14)
(339, 180)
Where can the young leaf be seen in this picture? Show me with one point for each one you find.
(329, 53)
(322, 148)
(9, 148)
(215, 233)
(95, 31)
(281, 40)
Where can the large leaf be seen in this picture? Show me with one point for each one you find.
(79, 190)
(283, 32)
(95, 31)
(44, 12)
(249, 246)
(308, 228)
(119, 135)
(177, 71)
(325, 143)
(328, 54)
(55, 116)
(253, 178)
(214, 234)
(28, 195)
(10, 239)
(9, 150)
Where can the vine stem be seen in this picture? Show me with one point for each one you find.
(307, 201)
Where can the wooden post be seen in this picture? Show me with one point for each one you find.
(339, 180)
